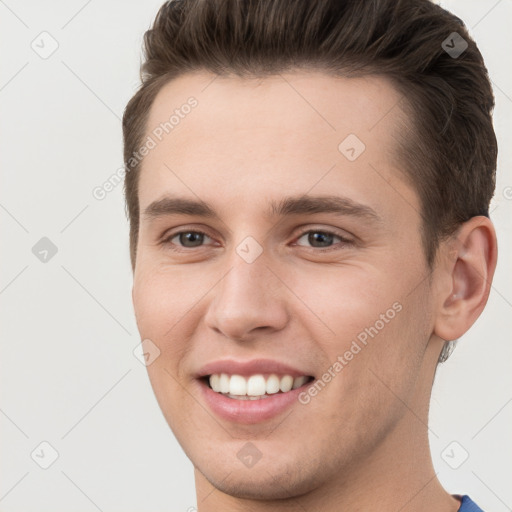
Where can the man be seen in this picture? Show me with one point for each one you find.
(308, 187)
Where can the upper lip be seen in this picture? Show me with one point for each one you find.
(251, 367)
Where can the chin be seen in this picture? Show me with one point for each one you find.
(271, 479)
(261, 486)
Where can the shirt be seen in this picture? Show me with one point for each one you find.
(467, 504)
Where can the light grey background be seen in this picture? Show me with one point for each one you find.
(68, 373)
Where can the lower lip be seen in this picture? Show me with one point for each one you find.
(249, 411)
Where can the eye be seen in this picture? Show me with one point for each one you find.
(319, 239)
(188, 239)
(323, 239)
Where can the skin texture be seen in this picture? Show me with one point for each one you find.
(362, 442)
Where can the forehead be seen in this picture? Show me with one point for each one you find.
(252, 138)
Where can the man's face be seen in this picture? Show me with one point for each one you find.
(294, 286)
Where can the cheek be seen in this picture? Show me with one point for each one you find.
(161, 304)
(384, 374)
(350, 302)
(374, 323)
(162, 298)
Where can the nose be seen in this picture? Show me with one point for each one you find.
(249, 301)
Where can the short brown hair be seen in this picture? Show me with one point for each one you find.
(450, 154)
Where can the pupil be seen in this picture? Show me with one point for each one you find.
(323, 238)
(194, 238)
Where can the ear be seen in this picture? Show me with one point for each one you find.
(467, 262)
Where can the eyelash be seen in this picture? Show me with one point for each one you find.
(343, 240)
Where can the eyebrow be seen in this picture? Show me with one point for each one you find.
(288, 206)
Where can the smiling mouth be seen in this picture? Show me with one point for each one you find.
(254, 387)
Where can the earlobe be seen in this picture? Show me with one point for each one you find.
(470, 262)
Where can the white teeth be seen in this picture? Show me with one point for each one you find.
(256, 385)
(245, 397)
(223, 382)
(272, 385)
(300, 381)
(215, 382)
(286, 383)
(237, 386)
